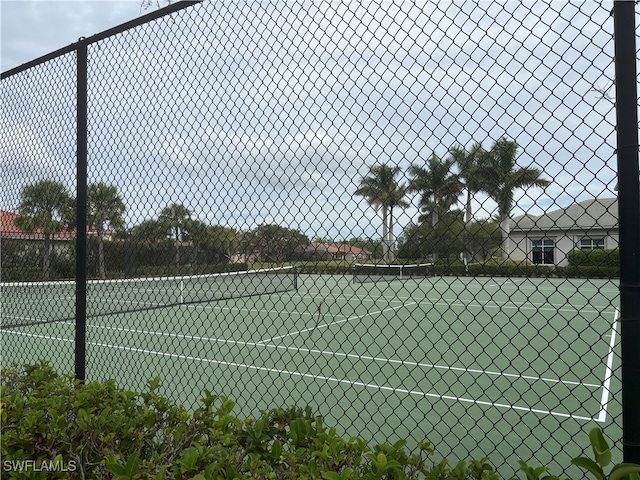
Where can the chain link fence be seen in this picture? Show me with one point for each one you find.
(403, 215)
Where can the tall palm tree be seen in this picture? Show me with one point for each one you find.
(104, 206)
(437, 184)
(45, 206)
(382, 191)
(499, 176)
(150, 231)
(176, 217)
(468, 162)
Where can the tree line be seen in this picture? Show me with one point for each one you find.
(47, 208)
(491, 171)
(440, 229)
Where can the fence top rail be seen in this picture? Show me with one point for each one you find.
(161, 12)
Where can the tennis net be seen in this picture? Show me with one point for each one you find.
(29, 303)
(370, 272)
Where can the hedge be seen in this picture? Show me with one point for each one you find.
(56, 426)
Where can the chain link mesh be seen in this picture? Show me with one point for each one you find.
(441, 175)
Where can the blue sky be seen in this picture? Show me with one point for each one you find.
(301, 97)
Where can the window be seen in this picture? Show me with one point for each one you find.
(591, 243)
(542, 251)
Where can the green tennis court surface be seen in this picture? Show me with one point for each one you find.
(450, 360)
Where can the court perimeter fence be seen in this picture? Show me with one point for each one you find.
(493, 143)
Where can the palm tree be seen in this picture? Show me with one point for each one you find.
(499, 177)
(468, 162)
(439, 187)
(176, 217)
(45, 206)
(104, 206)
(150, 231)
(382, 191)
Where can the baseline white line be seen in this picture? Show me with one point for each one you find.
(200, 306)
(35, 335)
(454, 302)
(433, 366)
(348, 382)
(327, 353)
(328, 379)
(325, 325)
(606, 386)
(537, 306)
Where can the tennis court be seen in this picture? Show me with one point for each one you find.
(447, 359)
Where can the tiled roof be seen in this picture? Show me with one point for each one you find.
(336, 248)
(588, 214)
(8, 229)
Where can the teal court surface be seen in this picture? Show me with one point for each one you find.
(504, 367)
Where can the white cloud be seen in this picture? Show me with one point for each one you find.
(32, 28)
(273, 111)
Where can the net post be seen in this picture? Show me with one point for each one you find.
(81, 211)
(629, 222)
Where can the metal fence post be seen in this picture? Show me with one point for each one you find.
(629, 218)
(81, 212)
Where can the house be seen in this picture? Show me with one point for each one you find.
(350, 253)
(19, 245)
(245, 257)
(336, 251)
(547, 239)
(8, 229)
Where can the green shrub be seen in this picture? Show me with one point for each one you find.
(56, 426)
(597, 263)
(325, 267)
(21, 274)
(511, 268)
(596, 258)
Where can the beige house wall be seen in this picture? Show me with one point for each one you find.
(564, 242)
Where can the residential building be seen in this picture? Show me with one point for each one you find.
(337, 251)
(548, 238)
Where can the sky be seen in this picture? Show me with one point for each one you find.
(271, 112)
(31, 29)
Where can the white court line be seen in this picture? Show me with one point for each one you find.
(325, 325)
(600, 418)
(374, 386)
(199, 306)
(491, 303)
(351, 356)
(332, 354)
(507, 304)
(322, 377)
(433, 366)
(606, 386)
(540, 306)
(35, 335)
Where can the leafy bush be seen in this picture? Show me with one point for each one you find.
(56, 426)
(21, 274)
(594, 258)
(597, 263)
(510, 268)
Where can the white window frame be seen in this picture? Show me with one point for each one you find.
(593, 243)
(543, 247)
